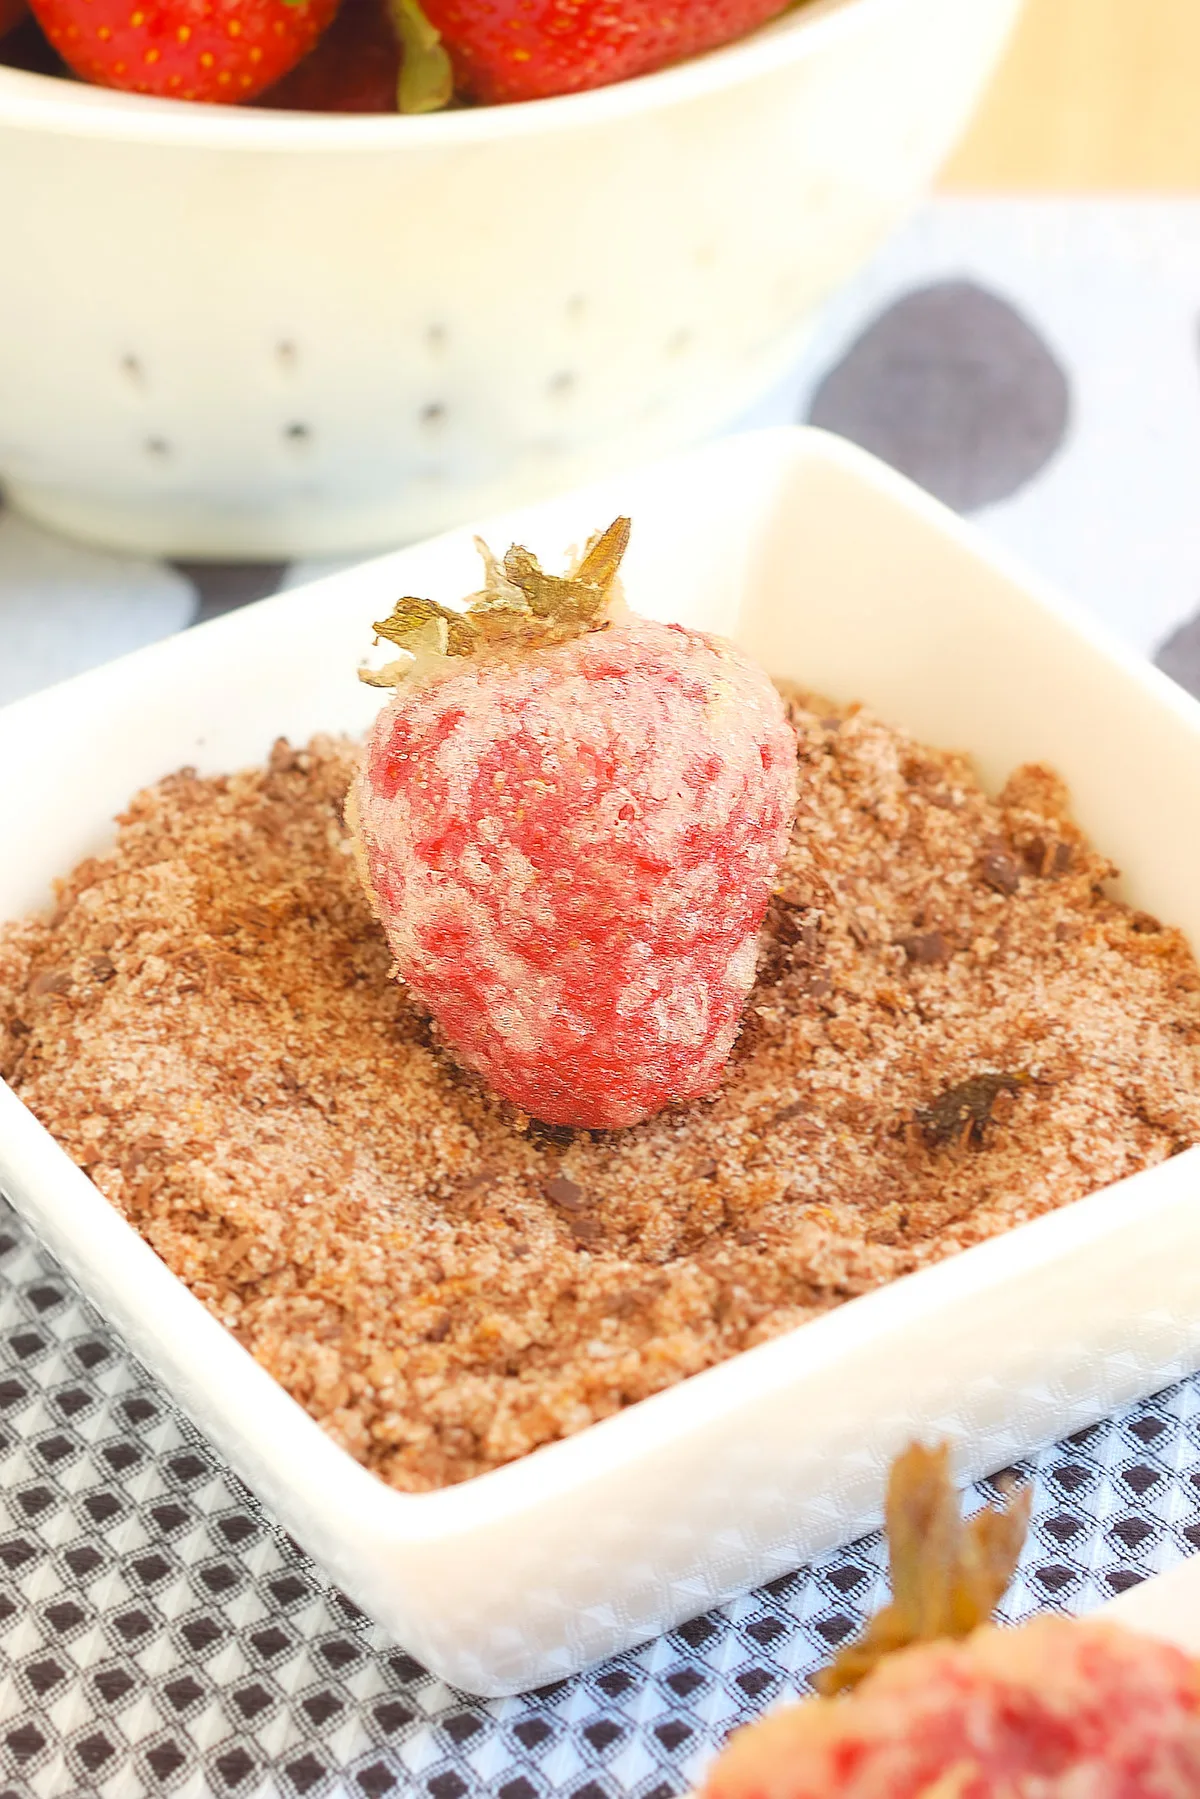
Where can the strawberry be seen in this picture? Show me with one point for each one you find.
(569, 823)
(528, 49)
(1060, 1708)
(944, 1705)
(214, 50)
(354, 67)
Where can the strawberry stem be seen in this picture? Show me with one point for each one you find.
(947, 1575)
(426, 78)
(519, 608)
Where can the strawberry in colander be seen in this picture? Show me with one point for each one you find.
(569, 821)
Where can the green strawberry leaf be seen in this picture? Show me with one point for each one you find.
(426, 77)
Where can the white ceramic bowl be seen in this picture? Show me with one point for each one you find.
(833, 570)
(227, 332)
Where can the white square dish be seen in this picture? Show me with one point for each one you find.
(833, 570)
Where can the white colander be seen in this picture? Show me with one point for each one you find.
(227, 332)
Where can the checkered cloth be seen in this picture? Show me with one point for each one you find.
(160, 1632)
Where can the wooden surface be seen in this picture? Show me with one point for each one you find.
(1094, 95)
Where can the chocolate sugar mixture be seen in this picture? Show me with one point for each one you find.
(954, 1029)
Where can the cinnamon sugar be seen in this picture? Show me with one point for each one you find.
(954, 1029)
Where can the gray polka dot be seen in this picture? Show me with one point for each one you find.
(1179, 655)
(224, 586)
(953, 388)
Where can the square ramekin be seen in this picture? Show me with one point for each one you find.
(832, 570)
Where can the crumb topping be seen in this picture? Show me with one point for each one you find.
(954, 1029)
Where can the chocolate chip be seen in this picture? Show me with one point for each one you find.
(795, 1110)
(474, 1182)
(51, 980)
(559, 1136)
(926, 948)
(283, 760)
(565, 1194)
(1145, 924)
(964, 1111)
(788, 924)
(1000, 872)
(1046, 859)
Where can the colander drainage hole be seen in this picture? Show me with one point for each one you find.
(298, 435)
(679, 341)
(133, 372)
(157, 448)
(562, 385)
(434, 415)
(287, 355)
(435, 339)
(576, 309)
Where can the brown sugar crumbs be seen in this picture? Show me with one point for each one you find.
(954, 1029)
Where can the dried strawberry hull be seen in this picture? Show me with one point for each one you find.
(1056, 1709)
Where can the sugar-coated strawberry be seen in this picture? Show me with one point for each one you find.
(1054, 1709)
(354, 67)
(221, 51)
(529, 49)
(1057, 1709)
(570, 821)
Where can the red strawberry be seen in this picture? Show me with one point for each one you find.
(354, 67)
(528, 49)
(570, 824)
(215, 50)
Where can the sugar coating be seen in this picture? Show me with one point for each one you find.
(208, 1025)
(1057, 1709)
(571, 855)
